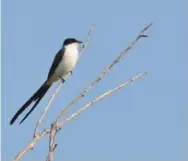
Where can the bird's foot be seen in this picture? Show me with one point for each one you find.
(63, 81)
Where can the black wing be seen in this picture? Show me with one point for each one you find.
(56, 62)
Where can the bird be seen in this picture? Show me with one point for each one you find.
(64, 62)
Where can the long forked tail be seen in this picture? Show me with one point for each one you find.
(37, 96)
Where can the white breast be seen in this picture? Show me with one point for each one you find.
(68, 62)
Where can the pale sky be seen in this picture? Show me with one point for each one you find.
(146, 121)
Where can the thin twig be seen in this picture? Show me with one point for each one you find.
(52, 144)
(87, 41)
(47, 108)
(31, 145)
(101, 97)
(82, 94)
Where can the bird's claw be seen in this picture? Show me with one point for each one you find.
(63, 81)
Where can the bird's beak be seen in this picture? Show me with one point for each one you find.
(80, 42)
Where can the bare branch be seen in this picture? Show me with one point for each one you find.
(52, 145)
(101, 97)
(31, 145)
(87, 41)
(37, 136)
(82, 94)
(57, 124)
(55, 128)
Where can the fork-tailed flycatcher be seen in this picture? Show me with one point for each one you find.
(63, 64)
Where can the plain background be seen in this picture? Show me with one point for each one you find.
(146, 121)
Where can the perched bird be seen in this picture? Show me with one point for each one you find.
(63, 64)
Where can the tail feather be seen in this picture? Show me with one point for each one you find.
(37, 96)
(36, 103)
